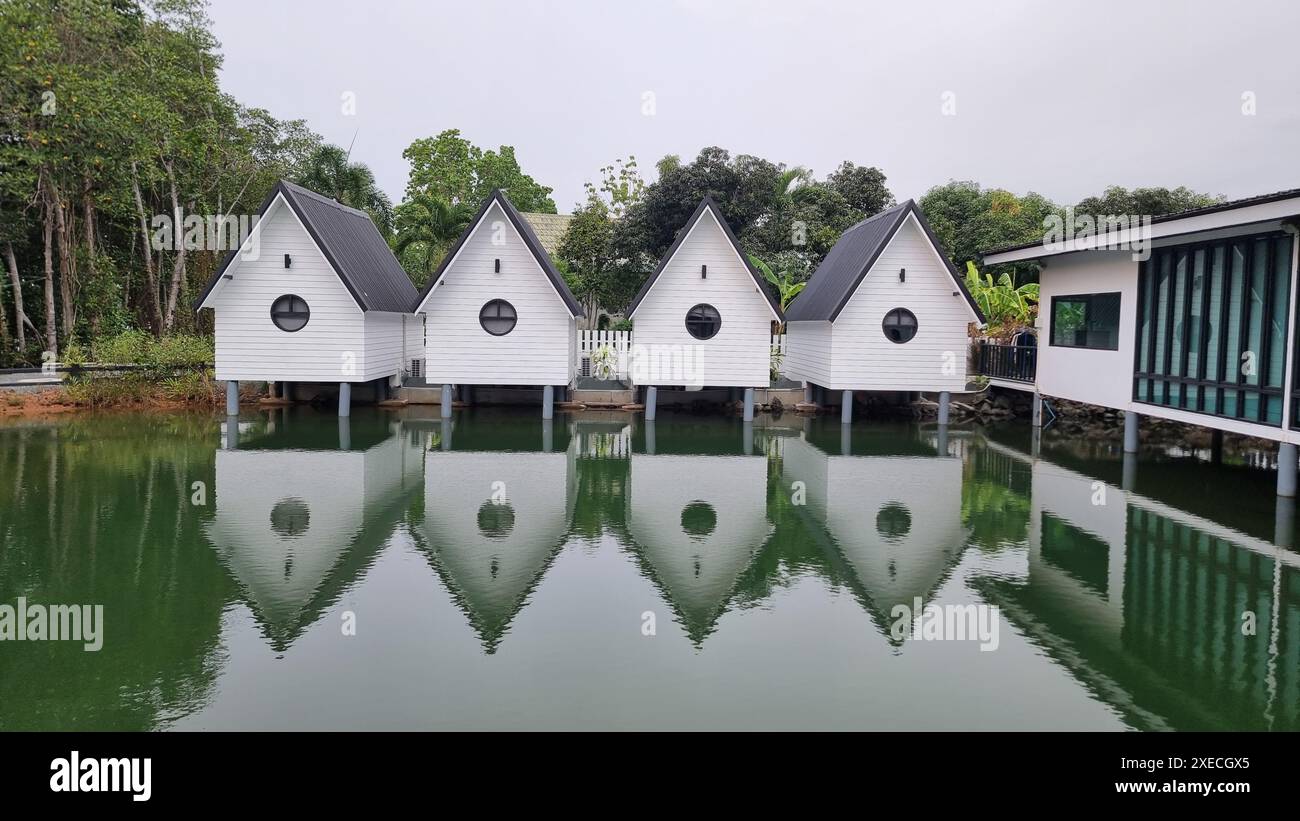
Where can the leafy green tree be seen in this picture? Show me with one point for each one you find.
(862, 187)
(451, 168)
(595, 273)
(969, 220)
(426, 228)
(805, 227)
(1152, 202)
(620, 187)
(327, 171)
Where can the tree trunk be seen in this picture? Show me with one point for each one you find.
(88, 226)
(4, 322)
(51, 333)
(67, 291)
(20, 316)
(151, 275)
(178, 265)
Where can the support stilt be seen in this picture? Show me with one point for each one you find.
(846, 408)
(232, 398)
(445, 401)
(1036, 413)
(749, 405)
(944, 399)
(548, 402)
(1130, 432)
(1286, 469)
(651, 395)
(345, 399)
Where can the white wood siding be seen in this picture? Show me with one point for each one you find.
(250, 347)
(863, 359)
(537, 352)
(383, 344)
(808, 352)
(738, 356)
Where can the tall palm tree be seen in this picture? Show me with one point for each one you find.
(789, 180)
(426, 228)
(327, 171)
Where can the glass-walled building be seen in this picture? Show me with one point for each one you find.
(1189, 316)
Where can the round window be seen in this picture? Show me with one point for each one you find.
(893, 521)
(498, 317)
(290, 313)
(703, 321)
(899, 325)
(699, 519)
(289, 517)
(496, 519)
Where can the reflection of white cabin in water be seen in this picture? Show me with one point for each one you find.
(297, 520)
(697, 522)
(493, 522)
(1144, 603)
(895, 521)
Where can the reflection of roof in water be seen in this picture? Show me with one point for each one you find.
(493, 523)
(284, 595)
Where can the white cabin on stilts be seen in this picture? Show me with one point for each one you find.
(498, 311)
(704, 317)
(312, 295)
(885, 311)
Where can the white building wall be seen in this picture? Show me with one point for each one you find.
(863, 358)
(739, 355)
(250, 347)
(808, 352)
(1079, 374)
(383, 344)
(459, 351)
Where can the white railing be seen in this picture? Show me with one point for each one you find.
(778, 344)
(603, 354)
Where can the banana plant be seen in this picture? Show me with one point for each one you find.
(787, 289)
(1002, 301)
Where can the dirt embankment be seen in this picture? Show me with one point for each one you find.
(22, 405)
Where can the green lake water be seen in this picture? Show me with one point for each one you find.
(399, 572)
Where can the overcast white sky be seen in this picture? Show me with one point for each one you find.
(1055, 97)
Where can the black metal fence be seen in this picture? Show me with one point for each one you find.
(1015, 363)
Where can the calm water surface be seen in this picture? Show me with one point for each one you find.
(500, 574)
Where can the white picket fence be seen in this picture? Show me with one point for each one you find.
(611, 362)
(604, 354)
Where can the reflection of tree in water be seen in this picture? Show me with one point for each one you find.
(98, 511)
(995, 493)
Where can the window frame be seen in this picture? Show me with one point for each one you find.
(717, 324)
(900, 311)
(1087, 299)
(277, 315)
(498, 303)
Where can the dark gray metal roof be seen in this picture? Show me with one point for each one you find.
(352, 245)
(837, 278)
(530, 239)
(711, 205)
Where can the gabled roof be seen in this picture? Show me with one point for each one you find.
(350, 242)
(841, 272)
(550, 228)
(530, 239)
(706, 204)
